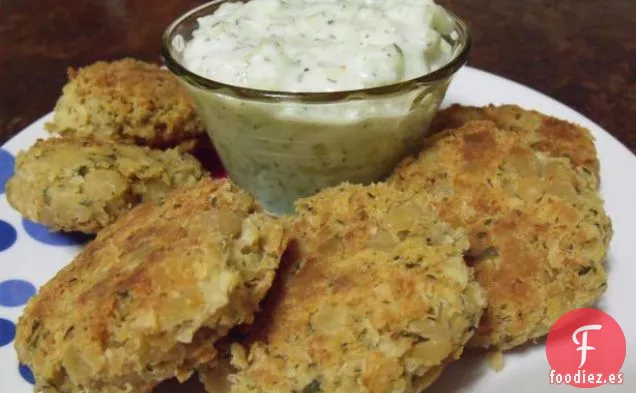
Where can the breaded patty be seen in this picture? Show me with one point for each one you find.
(84, 184)
(147, 299)
(546, 134)
(376, 298)
(538, 232)
(126, 100)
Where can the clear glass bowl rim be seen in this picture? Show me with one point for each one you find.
(446, 71)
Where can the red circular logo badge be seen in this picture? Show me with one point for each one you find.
(586, 348)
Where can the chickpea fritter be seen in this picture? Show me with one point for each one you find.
(537, 227)
(546, 134)
(376, 298)
(85, 185)
(126, 100)
(147, 299)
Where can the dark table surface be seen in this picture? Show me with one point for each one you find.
(581, 52)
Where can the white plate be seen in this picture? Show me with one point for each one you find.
(33, 259)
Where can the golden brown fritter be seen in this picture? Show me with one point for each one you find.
(147, 299)
(538, 232)
(376, 299)
(546, 134)
(126, 100)
(84, 184)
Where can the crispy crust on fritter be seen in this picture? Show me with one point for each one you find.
(126, 100)
(84, 184)
(215, 375)
(538, 232)
(147, 299)
(546, 134)
(376, 298)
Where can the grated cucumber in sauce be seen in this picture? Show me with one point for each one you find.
(319, 45)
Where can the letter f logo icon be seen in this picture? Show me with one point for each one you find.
(583, 344)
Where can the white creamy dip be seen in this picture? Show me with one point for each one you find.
(283, 149)
(319, 45)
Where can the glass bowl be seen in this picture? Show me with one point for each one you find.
(280, 146)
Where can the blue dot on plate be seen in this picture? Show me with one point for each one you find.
(7, 164)
(26, 373)
(15, 293)
(47, 236)
(7, 332)
(8, 235)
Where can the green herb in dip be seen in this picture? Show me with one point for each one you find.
(319, 45)
(283, 149)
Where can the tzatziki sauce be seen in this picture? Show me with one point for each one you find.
(281, 147)
(319, 45)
